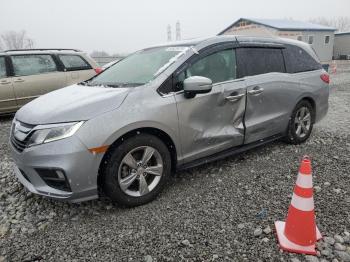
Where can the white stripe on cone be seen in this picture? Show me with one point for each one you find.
(304, 181)
(303, 203)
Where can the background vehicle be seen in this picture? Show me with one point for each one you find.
(27, 74)
(167, 108)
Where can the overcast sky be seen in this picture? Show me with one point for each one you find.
(125, 26)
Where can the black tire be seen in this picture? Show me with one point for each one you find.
(292, 137)
(110, 184)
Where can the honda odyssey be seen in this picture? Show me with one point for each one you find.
(169, 107)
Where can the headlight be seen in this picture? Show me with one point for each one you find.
(50, 133)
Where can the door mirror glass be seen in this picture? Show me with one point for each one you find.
(197, 85)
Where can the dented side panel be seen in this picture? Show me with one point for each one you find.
(268, 112)
(210, 123)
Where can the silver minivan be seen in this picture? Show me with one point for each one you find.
(125, 131)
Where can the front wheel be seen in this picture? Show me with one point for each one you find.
(300, 124)
(137, 170)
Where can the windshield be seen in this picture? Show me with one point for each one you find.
(139, 68)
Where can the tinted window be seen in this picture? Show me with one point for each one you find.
(256, 61)
(25, 65)
(219, 67)
(2, 67)
(298, 60)
(74, 62)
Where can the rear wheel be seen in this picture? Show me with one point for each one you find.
(301, 123)
(137, 170)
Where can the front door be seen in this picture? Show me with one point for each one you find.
(211, 122)
(35, 75)
(7, 95)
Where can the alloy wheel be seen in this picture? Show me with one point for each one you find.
(302, 122)
(140, 171)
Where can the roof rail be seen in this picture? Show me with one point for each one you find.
(42, 49)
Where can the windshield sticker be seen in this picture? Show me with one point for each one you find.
(176, 48)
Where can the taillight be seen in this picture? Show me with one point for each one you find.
(325, 78)
(98, 70)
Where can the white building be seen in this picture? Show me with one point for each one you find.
(341, 46)
(320, 37)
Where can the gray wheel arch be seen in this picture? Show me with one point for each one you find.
(312, 102)
(162, 135)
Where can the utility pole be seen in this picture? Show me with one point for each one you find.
(169, 33)
(178, 31)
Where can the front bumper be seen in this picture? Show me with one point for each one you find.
(69, 155)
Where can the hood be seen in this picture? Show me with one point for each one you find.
(73, 103)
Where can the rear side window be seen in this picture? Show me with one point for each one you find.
(298, 60)
(25, 65)
(74, 62)
(2, 67)
(255, 61)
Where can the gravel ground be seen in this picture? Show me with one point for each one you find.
(223, 211)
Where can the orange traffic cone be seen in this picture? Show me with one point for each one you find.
(299, 233)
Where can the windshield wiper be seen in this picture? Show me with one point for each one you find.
(115, 85)
(84, 83)
(111, 85)
(130, 84)
(97, 84)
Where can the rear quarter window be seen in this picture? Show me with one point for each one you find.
(74, 62)
(298, 60)
(255, 61)
(2, 67)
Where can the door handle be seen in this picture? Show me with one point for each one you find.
(256, 91)
(19, 80)
(234, 98)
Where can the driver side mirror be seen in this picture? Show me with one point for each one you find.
(197, 85)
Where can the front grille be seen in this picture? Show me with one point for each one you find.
(19, 145)
(23, 133)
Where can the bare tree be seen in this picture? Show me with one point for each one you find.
(342, 23)
(16, 40)
(96, 53)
